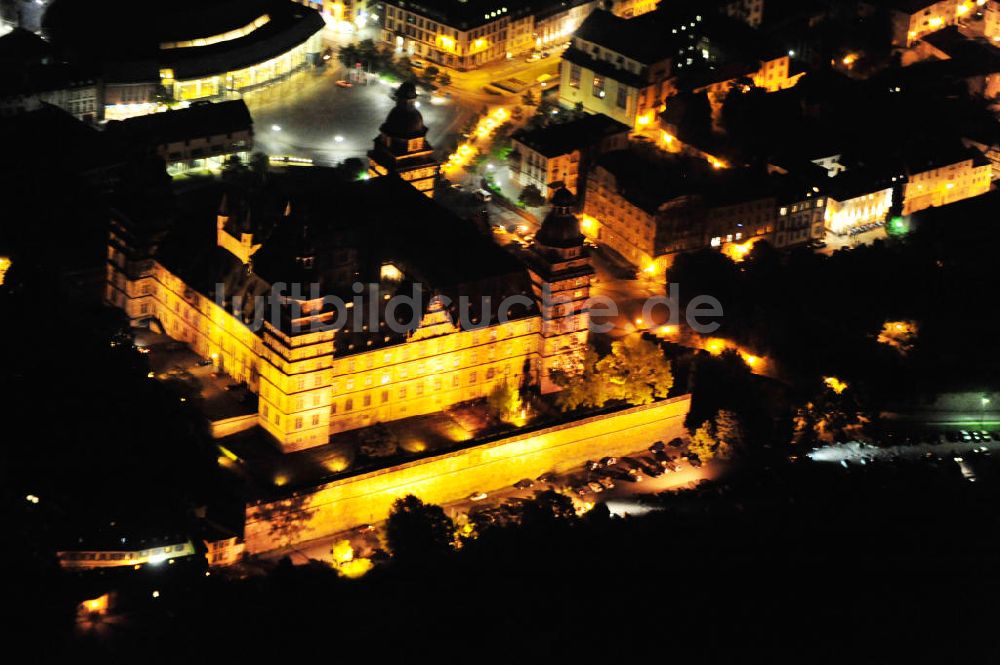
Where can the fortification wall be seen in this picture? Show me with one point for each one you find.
(367, 498)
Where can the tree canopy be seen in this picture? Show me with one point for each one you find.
(416, 530)
(635, 372)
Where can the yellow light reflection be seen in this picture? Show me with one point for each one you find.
(835, 384)
(715, 346)
(738, 251)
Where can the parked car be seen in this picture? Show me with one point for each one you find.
(591, 465)
(631, 463)
(204, 362)
(657, 447)
(596, 487)
(652, 469)
(608, 461)
(606, 482)
(582, 490)
(524, 483)
(676, 442)
(477, 496)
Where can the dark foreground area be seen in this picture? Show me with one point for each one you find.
(798, 562)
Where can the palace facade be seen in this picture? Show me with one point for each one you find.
(345, 304)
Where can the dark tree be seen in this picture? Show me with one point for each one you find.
(418, 530)
(691, 114)
(531, 196)
(547, 508)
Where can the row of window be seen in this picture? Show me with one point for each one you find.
(367, 400)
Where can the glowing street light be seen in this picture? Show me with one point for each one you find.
(275, 128)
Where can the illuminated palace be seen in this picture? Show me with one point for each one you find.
(225, 287)
(188, 49)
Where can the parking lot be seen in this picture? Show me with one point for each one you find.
(931, 445)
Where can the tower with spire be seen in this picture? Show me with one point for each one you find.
(561, 273)
(401, 146)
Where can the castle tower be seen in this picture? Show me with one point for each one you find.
(560, 275)
(401, 146)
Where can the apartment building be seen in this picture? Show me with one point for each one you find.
(562, 152)
(466, 35)
(622, 67)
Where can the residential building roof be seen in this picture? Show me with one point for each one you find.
(21, 45)
(925, 156)
(646, 38)
(467, 14)
(310, 212)
(649, 179)
(184, 124)
(602, 67)
(562, 138)
(907, 6)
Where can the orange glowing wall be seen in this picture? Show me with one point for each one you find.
(367, 498)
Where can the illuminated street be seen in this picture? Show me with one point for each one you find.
(518, 74)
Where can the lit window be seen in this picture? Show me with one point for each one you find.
(598, 87)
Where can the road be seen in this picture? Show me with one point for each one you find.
(471, 85)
